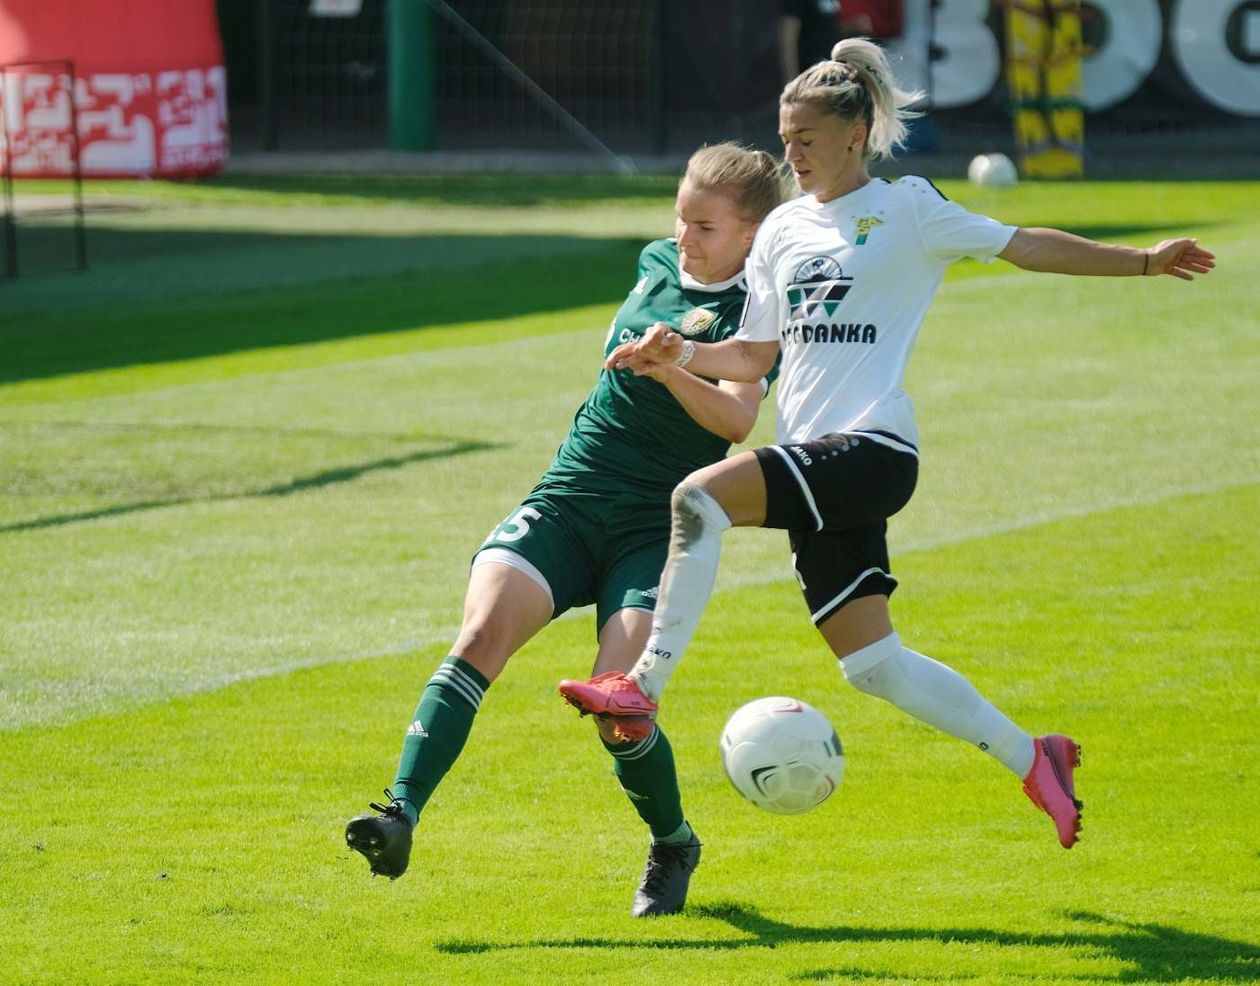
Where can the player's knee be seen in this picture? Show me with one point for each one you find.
(485, 642)
(696, 513)
(865, 669)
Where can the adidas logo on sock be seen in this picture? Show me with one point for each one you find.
(416, 729)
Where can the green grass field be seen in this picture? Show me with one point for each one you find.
(244, 460)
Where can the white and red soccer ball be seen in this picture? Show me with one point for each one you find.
(782, 755)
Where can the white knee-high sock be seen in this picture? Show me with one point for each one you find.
(940, 696)
(695, 544)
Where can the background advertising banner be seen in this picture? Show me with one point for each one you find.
(148, 88)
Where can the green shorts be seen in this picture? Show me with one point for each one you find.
(606, 548)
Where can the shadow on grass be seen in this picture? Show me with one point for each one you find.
(323, 478)
(1155, 952)
(156, 296)
(467, 189)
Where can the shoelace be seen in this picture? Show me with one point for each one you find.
(392, 808)
(663, 857)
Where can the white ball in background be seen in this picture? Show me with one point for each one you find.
(992, 170)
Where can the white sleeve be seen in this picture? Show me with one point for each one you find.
(763, 310)
(949, 232)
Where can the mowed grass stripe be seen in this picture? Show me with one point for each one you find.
(994, 284)
(1025, 414)
(927, 864)
(452, 256)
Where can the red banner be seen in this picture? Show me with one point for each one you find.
(149, 88)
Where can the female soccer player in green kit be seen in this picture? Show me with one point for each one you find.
(596, 527)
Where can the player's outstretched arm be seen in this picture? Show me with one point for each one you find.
(1057, 252)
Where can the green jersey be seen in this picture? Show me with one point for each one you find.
(631, 432)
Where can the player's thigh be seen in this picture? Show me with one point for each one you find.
(857, 624)
(503, 608)
(836, 569)
(738, 485)
(556, 538)
(638, 543)
(835, 482)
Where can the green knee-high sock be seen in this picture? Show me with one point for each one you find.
(647, 775)
(437, 733)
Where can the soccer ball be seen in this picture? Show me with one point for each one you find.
(782, 755)
(993, 170)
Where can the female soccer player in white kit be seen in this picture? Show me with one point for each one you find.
(839, 281)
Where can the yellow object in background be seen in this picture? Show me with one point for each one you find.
(1043, 72)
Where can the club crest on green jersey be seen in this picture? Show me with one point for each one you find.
(696, 321)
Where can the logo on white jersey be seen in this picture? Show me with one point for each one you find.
(814, 297)
(864, 227)
(818, 269)
(696, 321)
(817, 289)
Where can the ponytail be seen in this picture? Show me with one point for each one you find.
(858, 83)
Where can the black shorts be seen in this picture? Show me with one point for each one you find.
(833, 495)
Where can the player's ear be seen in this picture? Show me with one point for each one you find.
(858, 135)
(750, 233)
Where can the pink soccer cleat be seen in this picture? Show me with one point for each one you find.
(613, 696)
(1049, 785)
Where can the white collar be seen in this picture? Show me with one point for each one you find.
(691, 284)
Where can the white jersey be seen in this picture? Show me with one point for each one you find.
(843, 287)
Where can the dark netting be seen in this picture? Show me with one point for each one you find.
(1176, 86)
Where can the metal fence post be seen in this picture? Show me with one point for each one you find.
(412, 100)
(10, 218)
(267, 75)
(658, 93)
(80, 226)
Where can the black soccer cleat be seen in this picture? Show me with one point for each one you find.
(666, 878)
(383, 839)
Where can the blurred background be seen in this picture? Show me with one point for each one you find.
(1167, 87)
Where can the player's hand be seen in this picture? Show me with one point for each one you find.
(1180, 258)
(659, 345)
(621, 357)
(628, 357)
